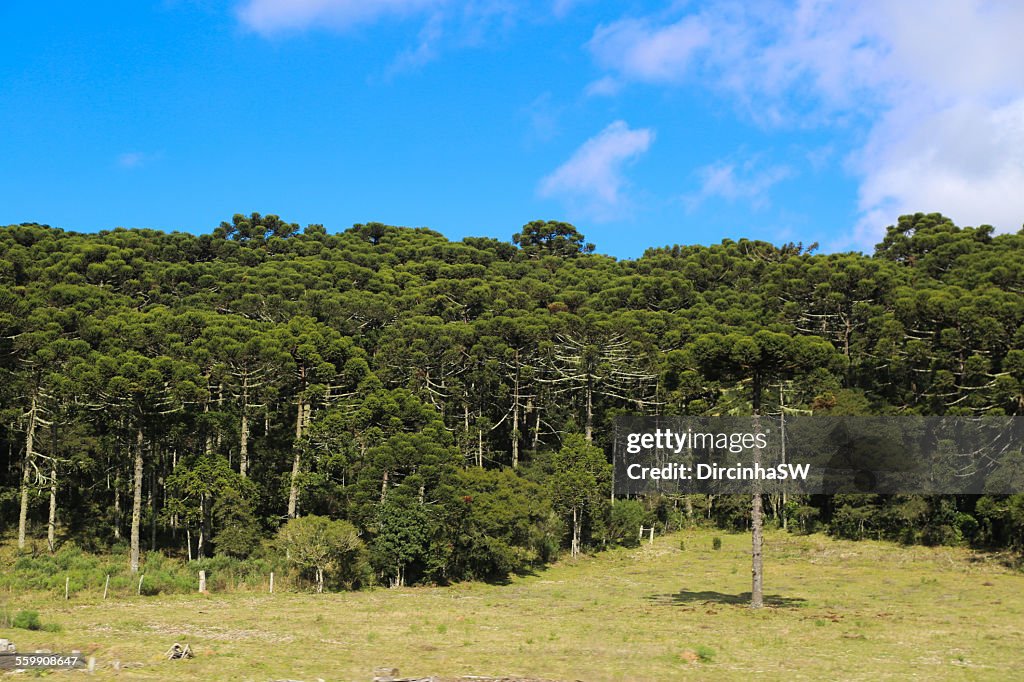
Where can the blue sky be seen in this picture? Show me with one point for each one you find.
(643, 123)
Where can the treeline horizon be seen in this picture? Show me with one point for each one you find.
(442, 409)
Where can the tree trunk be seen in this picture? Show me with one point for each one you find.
(243, 441)
(136, 502)
(757, 540)
(200, 544)
(51, 525)
(152, 511)
(756, 514)
(782, 440)
(293, 492)
(590, 411)
(536, 428)
(576, 523)
(30, 437)
(515, 417)
(117, 506)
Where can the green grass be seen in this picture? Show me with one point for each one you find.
(837, 610)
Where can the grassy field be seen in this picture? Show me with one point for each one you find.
(837, 610)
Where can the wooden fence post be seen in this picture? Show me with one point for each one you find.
(202, 581)
(271, 582)
(106, 586)
(141, 578)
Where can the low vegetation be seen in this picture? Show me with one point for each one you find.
(834, 609)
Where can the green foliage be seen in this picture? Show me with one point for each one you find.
(500, 525)
(27, 620)
(238, 535)
(385, 374)
(626, 518)
(716, 543)
(579, 486)
(540, 238)
(403, 538)
(328, 549)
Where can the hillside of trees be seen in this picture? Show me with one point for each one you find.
(445, 407)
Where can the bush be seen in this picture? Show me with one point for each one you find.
(731, 512)
(627, 517)
(716, 543)
(329, 550)
(239, 532)
(27, 620)
(705, 653)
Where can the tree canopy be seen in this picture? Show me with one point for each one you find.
(452, 400)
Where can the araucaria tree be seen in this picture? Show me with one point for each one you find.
(758, 359)
(451, 401)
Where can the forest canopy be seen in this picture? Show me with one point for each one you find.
(450, 402)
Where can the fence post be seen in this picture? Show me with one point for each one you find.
(67, 582)
(202, 581)
(271, 582)
(106, 586)
(141, 578)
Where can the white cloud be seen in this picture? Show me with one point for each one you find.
(937, 86)
(592, 180)
(965, 161)
(276, 16)
(732, 182)
(444, 24)
(561, 8)
(606, 87)
(639, 50)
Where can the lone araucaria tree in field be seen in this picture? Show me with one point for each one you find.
(759, 358)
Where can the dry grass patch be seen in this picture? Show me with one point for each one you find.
(836, 610)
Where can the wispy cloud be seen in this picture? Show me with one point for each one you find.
(444, 24)
(271, 17)
(560, 8)
(426, 50)
(592, 180)
(737, 182)
(131, 160)
(606, 86)
(944, 127)
(543, 115)
(639, 49)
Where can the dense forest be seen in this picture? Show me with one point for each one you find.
(443, 409)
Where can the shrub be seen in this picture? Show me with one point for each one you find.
(627, 517)
(716, 543)
(27, 620)
(239, 532)
(322, 546)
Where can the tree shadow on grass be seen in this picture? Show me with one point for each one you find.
(684, 597)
